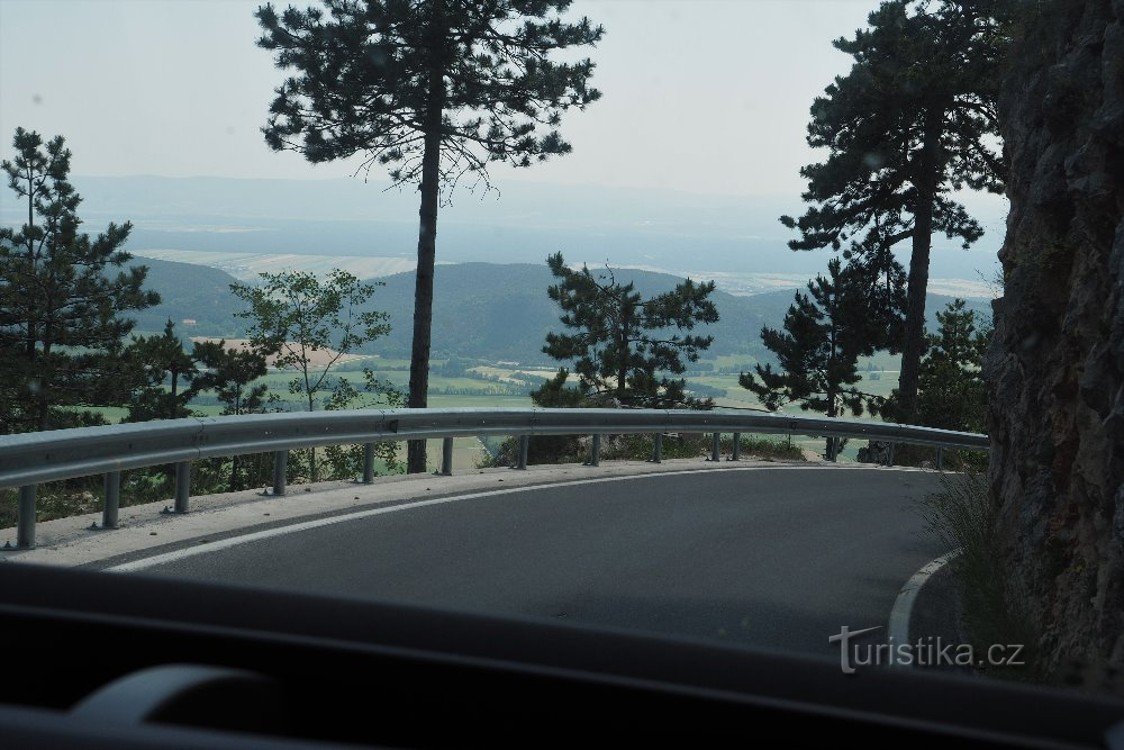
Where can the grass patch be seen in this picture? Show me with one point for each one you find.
(558, 449)
(964, 516)
(767, 448)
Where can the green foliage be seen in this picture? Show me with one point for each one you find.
(452, 368)
(380, 77)
(964, 516)
(555, 394)
(952, 390)
(295, 317)
(824, 334)
(433, 90)
(910, 124)
(346, 461)
(766, 448)
(164, 372)
(231, 373)
(188, 292)
(61, 301)
(622, 343)
(918, 77)
(575, 449)
(952, 394)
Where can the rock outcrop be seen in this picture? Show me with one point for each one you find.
(1056, 366)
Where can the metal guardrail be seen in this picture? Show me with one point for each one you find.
(29, 459)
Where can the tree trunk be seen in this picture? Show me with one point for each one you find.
(427, 237)
(42, 392)
(312, 474)
(913, 343)
(832, 412)
(39, 397)
(1055, 370)
(622, 366)
(42, 406)
(234, 486)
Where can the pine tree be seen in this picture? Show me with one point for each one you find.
(952, 394)
(824, 333)
(166, 373)
(436, 90)
(623, 344)
(63, 296)
(909, 124)
(230, 373)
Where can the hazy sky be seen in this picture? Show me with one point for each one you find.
(707, 97)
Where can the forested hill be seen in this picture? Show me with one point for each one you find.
(481, 311)
(502, 312)
(189, 292)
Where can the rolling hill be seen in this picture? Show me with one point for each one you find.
(482, 311)
(189, 292)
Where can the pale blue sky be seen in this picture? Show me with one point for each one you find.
(708, 97)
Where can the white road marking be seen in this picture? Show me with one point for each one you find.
(897, 631)
(181, 554)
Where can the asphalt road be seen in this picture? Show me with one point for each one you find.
(778, 558)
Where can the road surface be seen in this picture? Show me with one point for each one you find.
(771, 557)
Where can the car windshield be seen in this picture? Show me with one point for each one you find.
(791, 326)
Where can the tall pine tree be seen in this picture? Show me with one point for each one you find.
(911, 123)
(63, 296)
(434, 89)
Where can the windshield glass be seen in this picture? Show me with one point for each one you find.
(746, 322)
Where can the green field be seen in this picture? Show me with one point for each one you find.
(484, 394)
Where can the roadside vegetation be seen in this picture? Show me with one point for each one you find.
(964, 516)
(575, 449)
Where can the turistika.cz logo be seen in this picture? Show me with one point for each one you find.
(924, 652)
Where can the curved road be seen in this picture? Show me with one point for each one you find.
(771, 557)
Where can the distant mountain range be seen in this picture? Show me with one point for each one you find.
(717, 236)
(482, 311)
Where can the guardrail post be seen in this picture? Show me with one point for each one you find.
(890, 455)
(940, 458)
(112, 484)
(716, 447)
(183, 485)
(657, 448)
(25, 529)
(368, 463)
(280, 464)
(447, 457)
(736, 455)
(832, 448)
(595, 451)
(524, 447)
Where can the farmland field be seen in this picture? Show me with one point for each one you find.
(502, 390)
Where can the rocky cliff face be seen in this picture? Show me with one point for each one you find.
(1056, 367)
